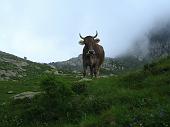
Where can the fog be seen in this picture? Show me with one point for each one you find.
(48, 30)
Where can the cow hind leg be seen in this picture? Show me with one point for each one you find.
(96, 71)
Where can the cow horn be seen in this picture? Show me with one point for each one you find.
(96, 35)
(81, 36)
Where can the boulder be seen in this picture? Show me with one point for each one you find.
(85, 79)
(10, 92)
(24, 95)
(56, 72)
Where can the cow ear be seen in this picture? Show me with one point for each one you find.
(97, 40)
(81, 42)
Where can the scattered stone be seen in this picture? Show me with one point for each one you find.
(48, 72)
(20, 76)
(75, 72)
(8, 73)
(4, 103)
(60, 72)
(23, 64)
(56, 72)
(38, 68)
(84, 79)
(52, 66)
(112, 74)
(24, 75)
(10, 92)
(104, 76)
(7, 78)
(24, 95)
(79, 76)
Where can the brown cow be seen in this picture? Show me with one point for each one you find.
(93, 54)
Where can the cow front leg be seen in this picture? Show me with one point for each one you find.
(98, 71)
(84, 70)
(91, 71)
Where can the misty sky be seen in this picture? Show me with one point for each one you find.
(48, 30)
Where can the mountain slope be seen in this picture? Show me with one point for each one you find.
(138, 98)
(13, 67)
(159, 39)
(110, 65)
(155, 44)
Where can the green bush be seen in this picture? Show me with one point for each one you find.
(52, 105)
(94, 105)
(55, 88)
(79, 88)
(157, 68)
(117, 116)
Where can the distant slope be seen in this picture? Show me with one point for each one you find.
(110, 65)
(13, 67)
(75, 65)
(159, 41)
(156, 44)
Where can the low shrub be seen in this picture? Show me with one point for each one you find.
(94, 105)
(54, 104)
(79, 88)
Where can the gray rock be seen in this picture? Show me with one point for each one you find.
(10, 73)
(53, 67)
(24, 95)
(4, 103)
(48, 72)
(23, 64)
(38, 68)
(20, 76)
(6, 75)
(2, 72)
(56, 72)
(84, 79)
(104, 76)
(10, 92)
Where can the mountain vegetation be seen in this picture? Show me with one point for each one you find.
(132, 99)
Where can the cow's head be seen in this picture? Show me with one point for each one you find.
(89, 42)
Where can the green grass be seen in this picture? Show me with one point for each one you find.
(28, 84)
(135, 99)
(15, 86)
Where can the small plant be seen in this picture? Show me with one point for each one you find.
(79, 88)
(95, 105)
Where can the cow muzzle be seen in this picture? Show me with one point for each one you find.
(92, 52)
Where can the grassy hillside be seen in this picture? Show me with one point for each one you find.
(135, 99)
(14, 68)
